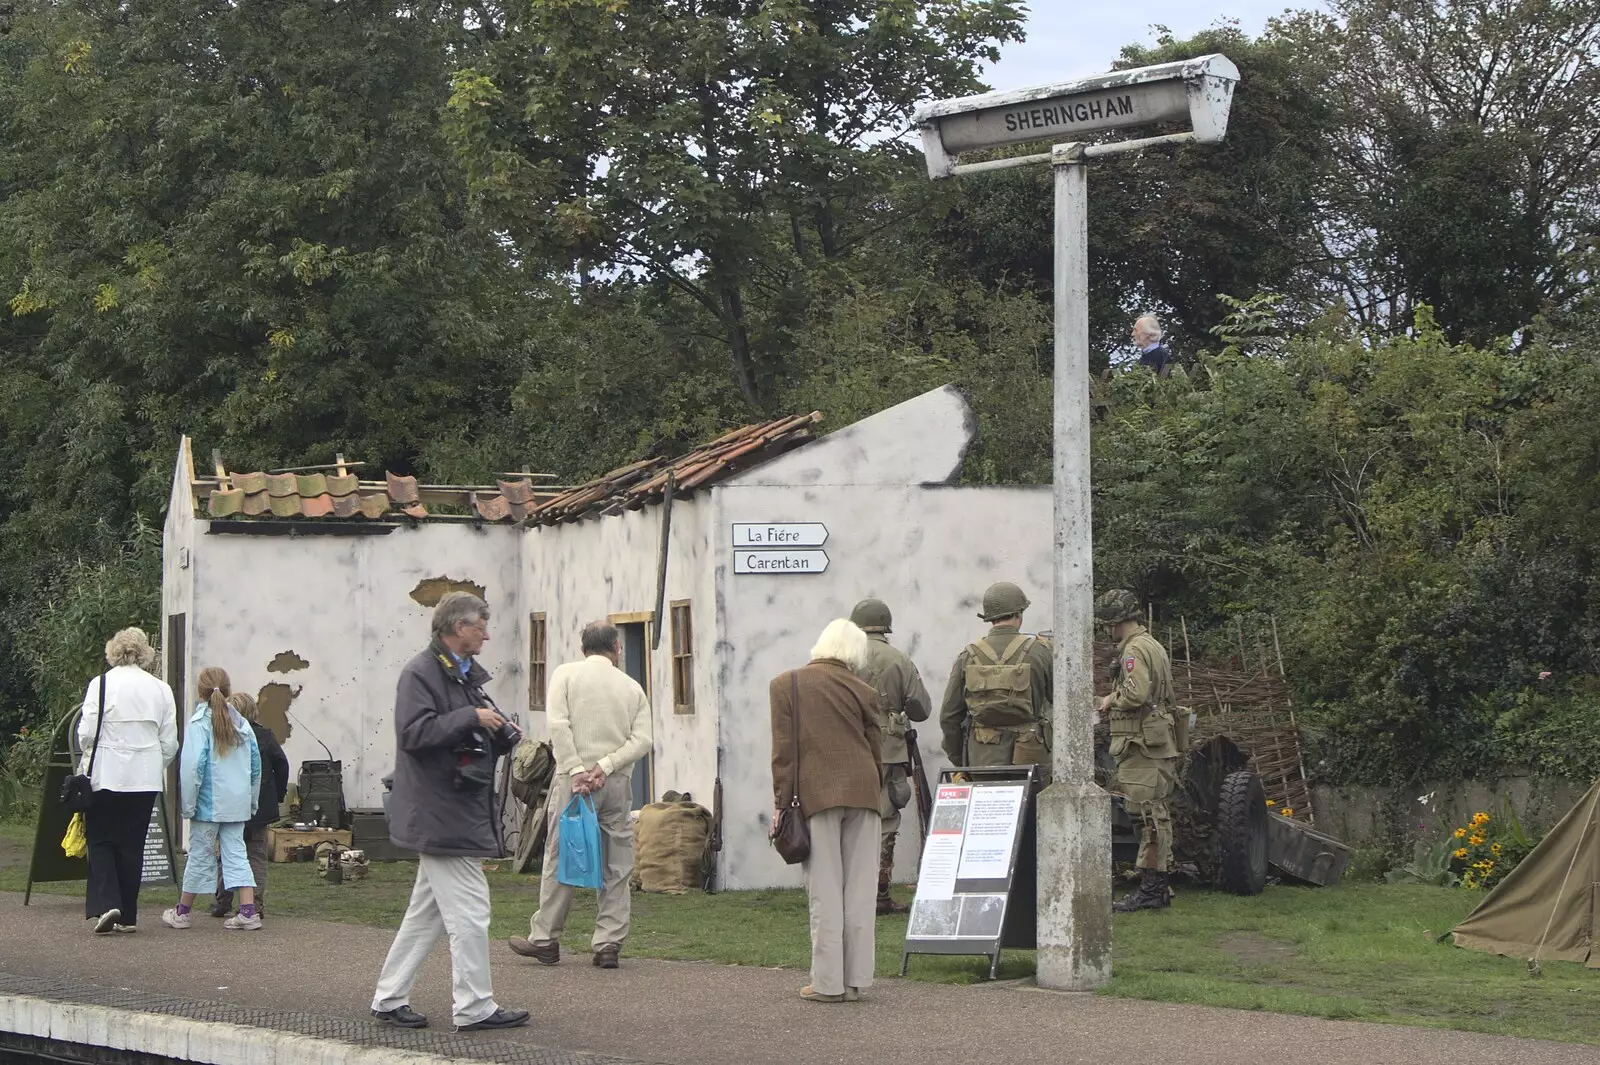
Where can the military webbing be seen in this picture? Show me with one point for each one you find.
(1003, 659)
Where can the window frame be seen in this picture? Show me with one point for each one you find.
(682, 629)
(538, 660)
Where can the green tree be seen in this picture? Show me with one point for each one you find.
(720, 152)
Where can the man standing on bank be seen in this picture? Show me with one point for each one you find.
(447, 738)
(1143, 741)
(903, 698)
(1153, 354)
(999, 692)
(599, 727)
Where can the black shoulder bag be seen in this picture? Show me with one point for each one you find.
(77, 791)
(791, 836)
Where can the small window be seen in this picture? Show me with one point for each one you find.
(536, 660)
(682, 659)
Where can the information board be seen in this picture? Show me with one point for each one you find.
(976, 885)
(48, 863)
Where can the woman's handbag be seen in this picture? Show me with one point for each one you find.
(77, 791)
(579, 863)
(791, 836)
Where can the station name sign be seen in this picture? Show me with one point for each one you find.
(1194, 93)
(1065, 116)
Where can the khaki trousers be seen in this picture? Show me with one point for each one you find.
(1145, 783)
(613, 805)
(842, 887)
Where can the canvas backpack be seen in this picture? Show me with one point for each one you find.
(999, 687)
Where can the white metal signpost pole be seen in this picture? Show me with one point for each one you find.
(1074, 829)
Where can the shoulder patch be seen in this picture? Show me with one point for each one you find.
(1127, 664)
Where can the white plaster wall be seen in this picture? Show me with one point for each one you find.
(920, 441)
(929, 552)
(177, 568)
(343, 603)
(589, 570)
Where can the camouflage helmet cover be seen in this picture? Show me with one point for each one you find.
(1117, 605)
(872, 615)
(1003, 600)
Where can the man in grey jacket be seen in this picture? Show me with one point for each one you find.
(448, 735)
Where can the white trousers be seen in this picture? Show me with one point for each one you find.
(842, 886)
(451, 896)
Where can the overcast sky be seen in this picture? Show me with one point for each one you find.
(1070, 38)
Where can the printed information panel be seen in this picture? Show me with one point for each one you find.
(965, 886)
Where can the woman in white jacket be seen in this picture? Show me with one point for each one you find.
(137, 743)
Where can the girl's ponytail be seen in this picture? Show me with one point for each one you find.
(214, 690)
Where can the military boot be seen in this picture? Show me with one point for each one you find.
(886, 903)
(1151, 894)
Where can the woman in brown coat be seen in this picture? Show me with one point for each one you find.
(837, 781)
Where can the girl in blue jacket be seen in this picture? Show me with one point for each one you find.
(221, 777)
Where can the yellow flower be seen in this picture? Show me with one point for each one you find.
(1461, 833)
(1461, 852)
(1480, 818)
(1476, 841)
(1272, 802)
(1494, 848)
(1286, 812)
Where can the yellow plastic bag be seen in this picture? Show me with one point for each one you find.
(73, 843)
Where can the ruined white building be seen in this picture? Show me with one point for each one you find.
(312, 589)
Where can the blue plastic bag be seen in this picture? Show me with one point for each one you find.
(578, 831)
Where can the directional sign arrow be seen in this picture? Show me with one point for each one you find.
(779, 534)
(779, 563)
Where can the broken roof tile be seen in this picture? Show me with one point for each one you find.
(374, 505)
(403, 490)
(346, 506)
(415, 510)
(491, 507)
(222, 504)
(319, 506)
(282, 484)
(311, 484)
(516, 491)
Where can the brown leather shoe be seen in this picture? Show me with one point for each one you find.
(545, 951)
(605, 956)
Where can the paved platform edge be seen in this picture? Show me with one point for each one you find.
(142, 1023)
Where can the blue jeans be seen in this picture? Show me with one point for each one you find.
(206, 839)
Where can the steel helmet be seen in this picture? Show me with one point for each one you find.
(1003, 600)
(1117, 605)
(872, 615)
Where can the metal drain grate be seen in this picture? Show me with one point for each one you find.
(361, 1033)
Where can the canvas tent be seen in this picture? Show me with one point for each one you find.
(1546, 907)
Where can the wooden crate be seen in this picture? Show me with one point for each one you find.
(279, 840)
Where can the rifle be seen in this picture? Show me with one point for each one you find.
(919, 785)
(714, 840)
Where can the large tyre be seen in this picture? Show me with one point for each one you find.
(1242, 834)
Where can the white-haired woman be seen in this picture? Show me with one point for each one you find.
(136, 743)
(837, 781)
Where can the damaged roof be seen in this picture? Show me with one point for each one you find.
(334, 492)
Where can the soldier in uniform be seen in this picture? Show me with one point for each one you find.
(902, 698)
(996, 708)
(1143, 741)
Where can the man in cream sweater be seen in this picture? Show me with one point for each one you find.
(599, 726)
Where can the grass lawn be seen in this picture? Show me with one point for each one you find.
(1359, 951)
